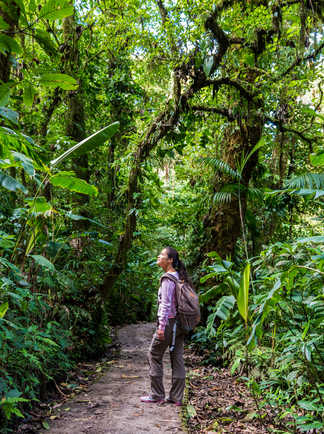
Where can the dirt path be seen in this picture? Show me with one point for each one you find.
(112, 405)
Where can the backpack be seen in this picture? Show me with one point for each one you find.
(188, 310)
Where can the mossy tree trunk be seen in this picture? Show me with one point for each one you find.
(223, 224)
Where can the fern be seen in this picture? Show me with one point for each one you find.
(255, 193)
(308, 184)
(222, 197)
(228, 191)
(221, 166)
(306, 181)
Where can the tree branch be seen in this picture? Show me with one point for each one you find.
(219, 110)
(165, 18)
(220, 36)
(163, 12)
(299, 60)
(278, 123)
(227, 81)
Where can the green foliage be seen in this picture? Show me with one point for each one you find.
(89, 143)
(62, 81)
(72, 183)
(286, 311)
(168, 171)
(243, 295)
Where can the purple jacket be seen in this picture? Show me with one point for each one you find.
(167, 301)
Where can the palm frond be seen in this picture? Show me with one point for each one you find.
(222, 197)
(309, 180)
(228, 191)
(221, 166)
(255, 193)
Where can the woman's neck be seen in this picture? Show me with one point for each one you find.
(169, 269)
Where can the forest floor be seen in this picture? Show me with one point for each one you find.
(216, 402)
(112, 404)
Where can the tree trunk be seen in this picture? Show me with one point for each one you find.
(9, 12)
(223, 223)
(74, 117)
(176, 104)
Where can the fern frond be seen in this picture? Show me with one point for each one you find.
(222, 197)
(255, 193)
(309, 180)
(221, 166)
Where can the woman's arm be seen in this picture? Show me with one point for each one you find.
(167, 291)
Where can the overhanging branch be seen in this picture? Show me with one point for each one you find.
(218, 110)
(279, 124)
(299, 60)
(228, 82)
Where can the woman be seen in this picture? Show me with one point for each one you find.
(169, 260)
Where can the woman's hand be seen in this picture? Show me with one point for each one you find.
(160, 334)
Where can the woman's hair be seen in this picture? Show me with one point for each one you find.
(177, 264)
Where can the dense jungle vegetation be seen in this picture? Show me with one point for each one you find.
(129, 126)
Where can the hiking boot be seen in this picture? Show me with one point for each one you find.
(177, 403)
(149, 399)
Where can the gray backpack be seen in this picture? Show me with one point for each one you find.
(188, 310)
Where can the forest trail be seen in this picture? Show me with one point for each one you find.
(112, 405)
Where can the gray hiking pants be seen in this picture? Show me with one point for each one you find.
(155, 356)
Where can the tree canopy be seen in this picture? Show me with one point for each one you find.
(126, 127)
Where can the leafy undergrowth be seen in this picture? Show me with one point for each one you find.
(219, 402)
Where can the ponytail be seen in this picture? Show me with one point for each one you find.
(177, 264)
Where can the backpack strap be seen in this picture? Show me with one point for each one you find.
(169, 276)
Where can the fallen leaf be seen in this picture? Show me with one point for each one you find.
(130, 376)
(191, 410)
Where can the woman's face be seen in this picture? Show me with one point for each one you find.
(163, 260)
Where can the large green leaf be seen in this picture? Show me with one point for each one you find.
(56, 9)
(6, 240)
(25, 162)
(243, 295)
(39, 206)
(317, 159)
(29, 93)
(3, 24)
(45, 41)
(4, 94)
(10, 183)
(76, 217)
(43, 262)
(224, 306)
(3, 309)
(8, 264)
(72, 183)
(9, 114)
(89, 143)
(54, 79)
(8, 45)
